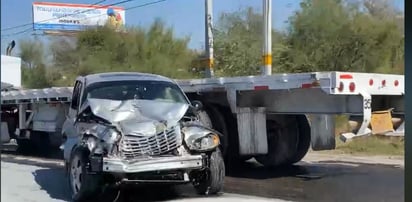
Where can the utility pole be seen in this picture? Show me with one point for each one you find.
(209, 38)
(267, 35)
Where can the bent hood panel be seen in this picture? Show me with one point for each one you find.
(137, 110)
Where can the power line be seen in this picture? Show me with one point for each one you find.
(28, 24)
(131, 8)
(16, 33)
(146, 4)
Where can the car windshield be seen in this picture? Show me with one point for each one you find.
(143, 90)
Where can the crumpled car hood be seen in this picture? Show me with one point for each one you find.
(138, 116)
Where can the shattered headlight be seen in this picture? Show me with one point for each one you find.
(103, 137)
(107, 134)
(200, 139)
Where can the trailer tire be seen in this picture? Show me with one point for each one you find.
(12, 122)
(212, 182)
(24, 146)
(288, 141)
(41, 143)
(304, 138)
(233, 158)
(212, 118)
(84, 186)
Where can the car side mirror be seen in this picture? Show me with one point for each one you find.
(197, 105)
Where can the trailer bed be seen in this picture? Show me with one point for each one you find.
(331, 83)
(56, 94)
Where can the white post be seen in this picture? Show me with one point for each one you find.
(209, 38)
(267, 35)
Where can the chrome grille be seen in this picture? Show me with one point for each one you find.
(133, 145)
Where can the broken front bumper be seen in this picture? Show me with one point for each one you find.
(154, 164)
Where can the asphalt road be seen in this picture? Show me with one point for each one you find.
(31, 183)
(33, 179)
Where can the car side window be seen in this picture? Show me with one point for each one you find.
(76, 95)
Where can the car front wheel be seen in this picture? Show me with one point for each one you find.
(84, 186)
(211, 180)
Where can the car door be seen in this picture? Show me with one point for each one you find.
(68, 126)
(69, 130)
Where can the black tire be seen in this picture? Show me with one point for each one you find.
(41, 143)
(87, 186)
(288, 141)
(212, 118)
(212, 182)
(304, 139)
(233, 159)
(24, 146)
(12, 122)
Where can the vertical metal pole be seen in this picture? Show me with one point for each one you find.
(22, 116)
(209, 38)
(267, 35)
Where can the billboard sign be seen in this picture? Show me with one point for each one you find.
(75, 17)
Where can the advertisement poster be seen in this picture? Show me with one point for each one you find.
(75, 17)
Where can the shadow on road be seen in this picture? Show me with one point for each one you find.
(152, 193)
(53, 181)
(255, 171)
(304, 171)
(326, 181)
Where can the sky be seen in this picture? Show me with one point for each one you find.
(185, 16)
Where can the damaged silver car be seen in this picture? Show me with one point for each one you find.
(134, 128)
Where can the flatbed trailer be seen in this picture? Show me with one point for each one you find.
(258, 115)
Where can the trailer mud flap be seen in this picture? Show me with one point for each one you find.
(322, 132)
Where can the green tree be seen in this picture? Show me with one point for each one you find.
(154, 50)
(31, 53)
(332, 35)
(238, 43)
(33, 67)
(324, 35)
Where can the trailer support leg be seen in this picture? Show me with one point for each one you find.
(24, 122)
(401, 128)
(367, 115)
(22, 116)
(400, 131)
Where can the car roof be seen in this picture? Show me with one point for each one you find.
(124, 76)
